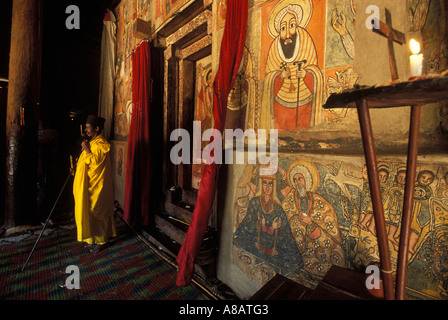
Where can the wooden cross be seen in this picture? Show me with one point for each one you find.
(392, 35)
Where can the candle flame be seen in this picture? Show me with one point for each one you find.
(415, 46)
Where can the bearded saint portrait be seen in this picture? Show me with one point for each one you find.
(293, 86)
(313, 220)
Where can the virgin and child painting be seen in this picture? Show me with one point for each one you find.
(314, 214)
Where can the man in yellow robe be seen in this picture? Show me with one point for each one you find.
(93, 189)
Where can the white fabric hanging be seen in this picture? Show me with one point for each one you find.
(107, 72)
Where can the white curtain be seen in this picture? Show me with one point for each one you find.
(107, 72)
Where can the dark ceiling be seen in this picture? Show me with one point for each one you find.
(5, 35)
(70, 58)
(69, 80)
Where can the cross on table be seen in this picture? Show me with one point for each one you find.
(392, 35)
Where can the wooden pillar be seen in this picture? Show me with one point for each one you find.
(408, 206)
(21, 114)
(375, 191)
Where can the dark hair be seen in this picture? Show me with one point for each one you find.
(425, 171)
(398, 172)
(96, 121)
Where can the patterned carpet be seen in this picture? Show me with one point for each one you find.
(126, 270)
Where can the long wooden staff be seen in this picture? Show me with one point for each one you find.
(299, 63)
(72, 170)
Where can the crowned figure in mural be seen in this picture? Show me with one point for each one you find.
(293, 86)
(313, 220)
(265, 232)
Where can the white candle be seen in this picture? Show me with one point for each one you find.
(416, 59)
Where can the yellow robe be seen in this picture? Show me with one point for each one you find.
(93, 193)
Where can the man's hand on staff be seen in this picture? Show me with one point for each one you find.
(86, 147)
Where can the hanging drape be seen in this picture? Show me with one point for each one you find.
(232, 48)
(107, 72)
(138, 169)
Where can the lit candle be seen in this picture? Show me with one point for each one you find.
(416, 59)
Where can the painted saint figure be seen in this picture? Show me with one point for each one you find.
(204, 111)
(265, 232)
(313, 220)
(421, 215)
(393, 206)
(367, 220)
(293, 86)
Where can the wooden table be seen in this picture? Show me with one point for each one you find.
(410, 93)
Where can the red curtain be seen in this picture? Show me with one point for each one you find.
(138, 173)
(232, 48)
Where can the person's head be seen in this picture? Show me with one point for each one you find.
(299, 184)
(94, 125)
(267, 186)
(208, 77)
(288, 34)
(303, 177)
(400, 178)
(425, 178)
(383, 175)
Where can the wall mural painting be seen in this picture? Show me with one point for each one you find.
(339, 74)
(126, 14)
(119, 152)
(293, 80)
(314, 214)
(222, 11)
(309, 55)
(341, 16)
(203, 111)
(171, 6)
(338, 80)
(242, 104)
